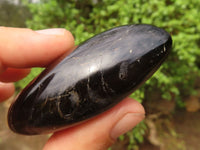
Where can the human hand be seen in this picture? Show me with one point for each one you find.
(23, 48)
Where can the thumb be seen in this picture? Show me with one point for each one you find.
(100, 132)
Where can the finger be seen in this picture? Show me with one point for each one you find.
(13, 74)
(99, 133)
(6, 90)
(24, 48)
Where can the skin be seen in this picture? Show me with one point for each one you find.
(21, 49)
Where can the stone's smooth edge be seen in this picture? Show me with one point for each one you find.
(111, 65)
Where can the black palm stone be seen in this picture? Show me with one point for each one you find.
(93, 78)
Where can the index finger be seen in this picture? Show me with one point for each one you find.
(23, 48)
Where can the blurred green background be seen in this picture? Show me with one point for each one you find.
(170, 97)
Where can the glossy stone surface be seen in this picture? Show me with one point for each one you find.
(96, 76)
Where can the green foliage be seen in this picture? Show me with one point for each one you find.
(86, 18)
(13, 15)
(136, 136)
(180, 18)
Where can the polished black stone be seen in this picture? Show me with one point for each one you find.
(96, 76)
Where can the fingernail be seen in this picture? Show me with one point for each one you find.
(125, 124)
(54, 31)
